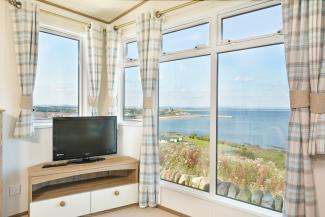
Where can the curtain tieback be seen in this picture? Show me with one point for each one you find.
(147, 102)
(317, 103)
(92, 101)
(305, 99)
(26, 102)
(299, 99)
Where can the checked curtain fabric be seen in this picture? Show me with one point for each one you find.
(95, 37)
(304, 34)
(149, 43)
(25, 33)
(112, 45)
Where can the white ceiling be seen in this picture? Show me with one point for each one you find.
(102, 9)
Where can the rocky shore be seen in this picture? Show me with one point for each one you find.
(228, 189)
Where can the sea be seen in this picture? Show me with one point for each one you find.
(267, 128)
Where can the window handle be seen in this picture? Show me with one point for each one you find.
(200, 46)
(226, 41)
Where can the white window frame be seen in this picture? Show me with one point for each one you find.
(215, 47)
(125, 51)
(164, 57)
(47, 123)
(229, 46)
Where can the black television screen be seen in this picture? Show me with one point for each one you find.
(83, 137)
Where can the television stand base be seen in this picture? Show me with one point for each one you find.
(86, 160)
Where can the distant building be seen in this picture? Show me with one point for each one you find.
(176, 139)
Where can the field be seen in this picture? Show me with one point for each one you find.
(243, 165)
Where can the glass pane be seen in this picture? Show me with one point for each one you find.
(186, 38)
(253, 111)
(184, 121)
(133, 97)
(57, 80)
(260, 22)
(132, 50)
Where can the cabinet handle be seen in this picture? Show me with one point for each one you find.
(116, 193)
(62, 203)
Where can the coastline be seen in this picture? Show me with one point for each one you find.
(190, 116)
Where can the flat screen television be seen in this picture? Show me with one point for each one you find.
(84, 137)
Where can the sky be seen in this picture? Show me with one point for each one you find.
(57, 71)
(247, 78)
(252, 78)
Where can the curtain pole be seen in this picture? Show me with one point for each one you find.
(160, 13)
(15, 3)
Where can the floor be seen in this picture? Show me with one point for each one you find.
(135, 211)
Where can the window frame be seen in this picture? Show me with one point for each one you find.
(216, 133)
(241, 11)
(184, 27)
(216, 46)
(164, 57)
(47, 123)
(229, 46)
(127, 63)
(125, 51)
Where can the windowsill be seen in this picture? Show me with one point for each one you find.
(48, 124)
(43, 124)
(131, 123)
(234, 204)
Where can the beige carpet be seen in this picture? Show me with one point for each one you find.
(135, 211)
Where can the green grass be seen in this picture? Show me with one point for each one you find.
(247, 151)
(196, 141)
(253, 152)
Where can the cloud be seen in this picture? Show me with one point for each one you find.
(243, 78)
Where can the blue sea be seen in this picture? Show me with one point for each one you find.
(266, 128)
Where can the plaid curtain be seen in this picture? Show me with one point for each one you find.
(149, 42)
(316, 34)
(95, 41)
(25, 29)
(301, 20)
(112, 43)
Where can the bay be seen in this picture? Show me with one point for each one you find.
(266, 128)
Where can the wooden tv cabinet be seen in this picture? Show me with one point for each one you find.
(81, 189)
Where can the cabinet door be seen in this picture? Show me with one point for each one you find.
(114, 197)
(68, 206)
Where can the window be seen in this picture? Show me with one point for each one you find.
(256, 23)
(190, 38)
(56, 92)
(184, 121)
(132, 94)
(253, 111)
(132, 50)
(244, 127)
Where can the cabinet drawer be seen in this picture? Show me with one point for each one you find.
(68, 206)
(114, 197)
